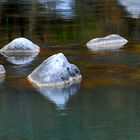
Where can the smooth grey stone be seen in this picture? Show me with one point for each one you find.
(2, 70)
(20, 45)
(55, 71)
(113, 41)
(59, 96)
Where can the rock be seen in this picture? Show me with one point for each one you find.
(2, 70)
(20, 45)
(55, 71)
(59, 95)
(109, 42)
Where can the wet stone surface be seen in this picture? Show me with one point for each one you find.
(54, 71)
(21, 45)
(113, 41)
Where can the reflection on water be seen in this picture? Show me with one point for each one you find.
(2, 78)
(58, 95)
(20, 59)
(107, 104)
(63, 8)
(132, 7)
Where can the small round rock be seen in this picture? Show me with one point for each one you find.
(20, 45)
(109, 42)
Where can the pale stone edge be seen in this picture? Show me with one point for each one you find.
(115, 44)
(3, 72)
(20, 53)
(107, 43)
(105, 47)
(3, 50)
(72, 80)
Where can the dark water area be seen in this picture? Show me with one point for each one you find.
(105, 105)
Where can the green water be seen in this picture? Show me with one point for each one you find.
(105, 105)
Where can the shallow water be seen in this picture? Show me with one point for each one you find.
(106, 105)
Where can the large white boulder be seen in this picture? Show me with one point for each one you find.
(20, 45)
(55, 71)
(113, 41)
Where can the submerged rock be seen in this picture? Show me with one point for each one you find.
(2, 70)
(113, 41)
(55, 71)
(59, 95)
(20, 45)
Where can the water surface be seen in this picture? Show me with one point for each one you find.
(105, 105)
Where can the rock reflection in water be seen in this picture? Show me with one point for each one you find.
(20, 59)
(2, 78)
(59, 95)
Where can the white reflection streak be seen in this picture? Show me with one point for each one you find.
(132, 7)
(64, 8)
(59, 96)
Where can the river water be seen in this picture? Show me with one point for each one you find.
(105, 105)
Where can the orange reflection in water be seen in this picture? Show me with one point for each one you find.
(104, 75)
